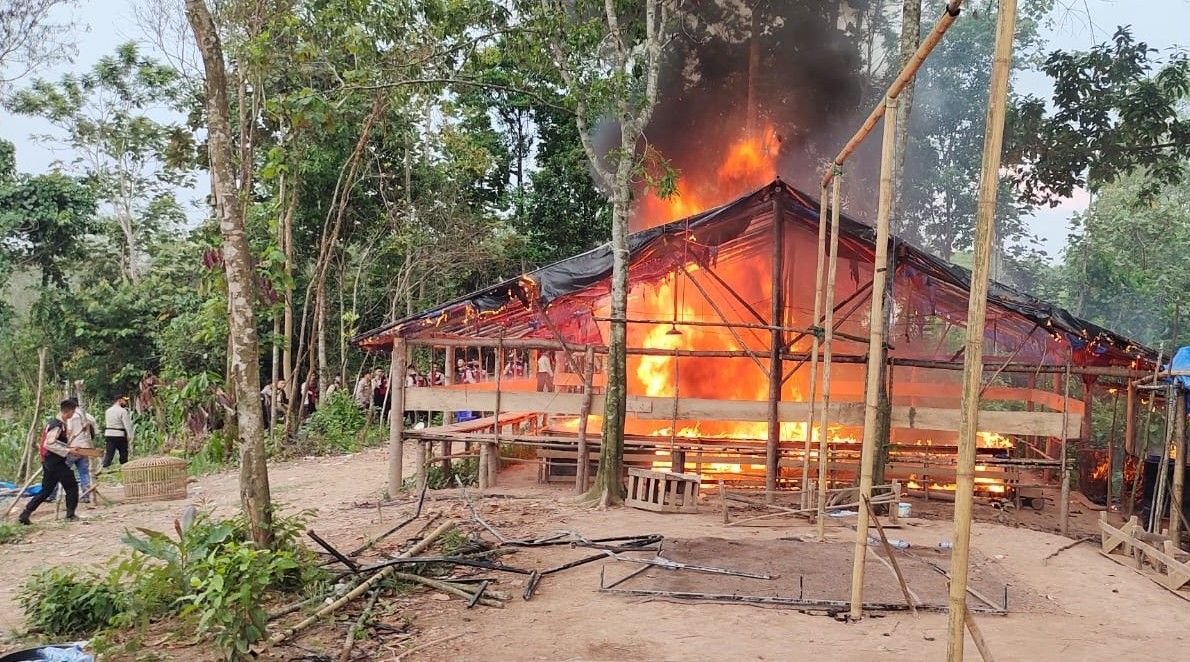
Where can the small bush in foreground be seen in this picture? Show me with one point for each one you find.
(63, 602)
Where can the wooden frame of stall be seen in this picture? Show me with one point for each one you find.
(515, 416)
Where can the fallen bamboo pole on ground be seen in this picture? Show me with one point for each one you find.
(349, 643)
(20, 492)
(448, 588)
(977, 636)
(359, 590)
(892, 559)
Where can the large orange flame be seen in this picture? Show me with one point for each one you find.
(748, 163)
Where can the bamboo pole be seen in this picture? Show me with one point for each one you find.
(396, 416)
(875, 356)
(949, 14)
(31, 439)
(772, 467)
(828, 304)
(583, 469)
(1179, 469)
(813, 395)
(1157, 505)
(977, 303)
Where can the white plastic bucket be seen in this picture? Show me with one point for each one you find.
(904, 509)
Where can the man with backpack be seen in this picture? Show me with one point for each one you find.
(55, 449)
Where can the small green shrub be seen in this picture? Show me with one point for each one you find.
(65, 601)
(334, 427)
(466, 470)
(11, 532)
(227, 587)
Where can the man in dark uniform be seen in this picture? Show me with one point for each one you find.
(55, 471)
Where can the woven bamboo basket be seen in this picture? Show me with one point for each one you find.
(154, 479)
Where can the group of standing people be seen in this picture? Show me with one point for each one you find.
(65, 462)
(279, 393)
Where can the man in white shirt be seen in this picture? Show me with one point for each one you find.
(81, 431)
(545, 372)
(117, 431)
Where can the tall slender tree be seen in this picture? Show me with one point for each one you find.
(609, 56)
(231, 194)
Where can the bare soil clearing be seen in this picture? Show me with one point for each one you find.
(1078, 606)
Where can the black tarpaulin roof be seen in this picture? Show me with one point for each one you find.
(513, 304)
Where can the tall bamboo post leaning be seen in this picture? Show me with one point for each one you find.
(772, 464)
(908, 72)
(396, 415)
(812, 396)
(977, 302)
(828, 305)
(875, 355)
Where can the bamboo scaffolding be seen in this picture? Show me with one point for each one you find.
(875, 348)
(949, 14)
(977, 302)
(828, 303)
(583, 467)
(1064, 503)
(820, 258)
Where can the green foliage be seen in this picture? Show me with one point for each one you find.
(1116, 109)
(1118, 272)
(335, 426)
(465, 470)
(227, 585)
(12, 444)
(65, 601)
(11, 532)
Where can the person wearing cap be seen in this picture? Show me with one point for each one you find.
(55, 450)
(117, 431)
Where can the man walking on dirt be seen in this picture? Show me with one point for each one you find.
(117, 431)
(55, 449)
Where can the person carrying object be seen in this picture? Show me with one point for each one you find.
(118, 432)
(55, 449)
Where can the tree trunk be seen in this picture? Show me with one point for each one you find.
(241, 292)
(910, 39)
(608, 488)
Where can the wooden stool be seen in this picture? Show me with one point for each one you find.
(662, 491)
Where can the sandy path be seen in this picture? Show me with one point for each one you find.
(1087, 607)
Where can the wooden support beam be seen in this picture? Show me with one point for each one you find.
(583, 468)
(777, 292)
(820, 250)
(1038, 423)
(1179, 468)
(396, 416)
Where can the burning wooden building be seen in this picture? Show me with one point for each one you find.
(721, 329)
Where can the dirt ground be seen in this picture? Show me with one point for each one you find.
(1077, 606)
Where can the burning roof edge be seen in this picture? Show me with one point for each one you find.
(577, 272)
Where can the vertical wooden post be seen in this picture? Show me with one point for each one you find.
(1179, 467)
(828, 324)
(494, 450)
(811, 397)
(772, 464)
(1129, 424)
(1064, 498)
(582, 470)
(1111, 444)
(876, 361)
(989, 181)
(396, 415)
(1087, 432)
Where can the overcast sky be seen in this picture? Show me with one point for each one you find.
(1161, 23)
